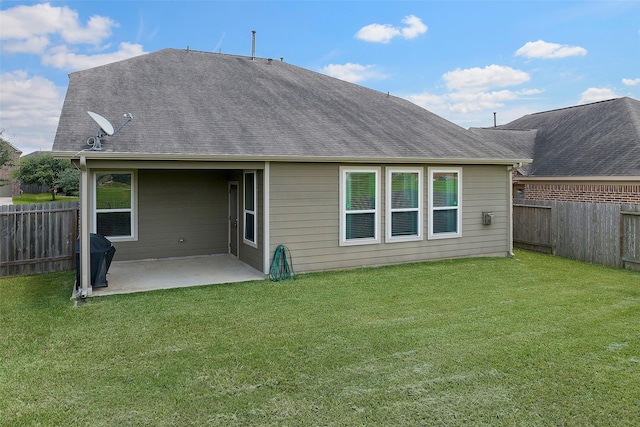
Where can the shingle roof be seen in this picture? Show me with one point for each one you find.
(598, 139)
(199, 103)
(521, 142)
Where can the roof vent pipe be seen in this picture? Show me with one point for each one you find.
(253, 44)
(494, 119)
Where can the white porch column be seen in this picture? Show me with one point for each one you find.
(85, 248)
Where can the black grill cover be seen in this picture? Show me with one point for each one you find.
(102, 252)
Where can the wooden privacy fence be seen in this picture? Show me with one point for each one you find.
(38, 238)
(591, 232)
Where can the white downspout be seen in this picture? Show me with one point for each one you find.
(510, 170)
(85, 248)
(267, 221)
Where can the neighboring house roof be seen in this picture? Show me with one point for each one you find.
(206, 104)
(598, 139)
(520, 141)
(12, 148)
(36, 154)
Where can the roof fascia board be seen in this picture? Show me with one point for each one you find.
(170, 164)
(90, 155)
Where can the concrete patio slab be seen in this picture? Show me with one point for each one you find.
(139, 276)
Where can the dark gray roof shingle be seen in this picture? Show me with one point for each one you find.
(597, 139)
(199, 103)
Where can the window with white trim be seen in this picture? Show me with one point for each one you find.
(445, 192)
(359, 205)
(250, 209)
(404, 204)
(114, 201)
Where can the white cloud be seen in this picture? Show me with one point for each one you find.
(61, 57)
(465, 102)
(31, 105)
(476, 109)
(35, 45)
(542, 49)
(475, 93)
(595, 94)
(30, 110)
(377, 33)
(631, 82)
(33, 27)
(352, 72)
(384, 33)
(98, 28)
(484, 78)
(415, 27)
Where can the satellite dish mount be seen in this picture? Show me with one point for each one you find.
(105, 129)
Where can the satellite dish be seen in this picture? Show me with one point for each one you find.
(106, 129)
(102, 122)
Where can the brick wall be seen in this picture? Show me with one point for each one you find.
(590, 193)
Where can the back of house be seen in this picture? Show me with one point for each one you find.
(236, 155)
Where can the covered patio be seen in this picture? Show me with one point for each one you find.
(140, 276)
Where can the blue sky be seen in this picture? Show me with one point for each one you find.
(461, 60)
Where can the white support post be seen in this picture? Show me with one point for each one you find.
(85, 243)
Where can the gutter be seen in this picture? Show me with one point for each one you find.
(106, 155)
(515, 166)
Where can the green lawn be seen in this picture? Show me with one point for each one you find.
(529, 341)
(28, 198)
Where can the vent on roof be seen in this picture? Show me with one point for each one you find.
(253, 44)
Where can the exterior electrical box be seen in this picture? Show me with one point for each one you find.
(487, 218)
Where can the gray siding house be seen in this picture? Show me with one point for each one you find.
(236, 155)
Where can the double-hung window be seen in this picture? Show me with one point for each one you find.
(359, 205)
(250, 209)
(114, 196)
(404, 204)
(445, 191)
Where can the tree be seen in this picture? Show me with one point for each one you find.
(43, 170)
(5, 154)
(69, 181)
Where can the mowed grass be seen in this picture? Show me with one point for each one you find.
(533, 340)
(28, 198)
